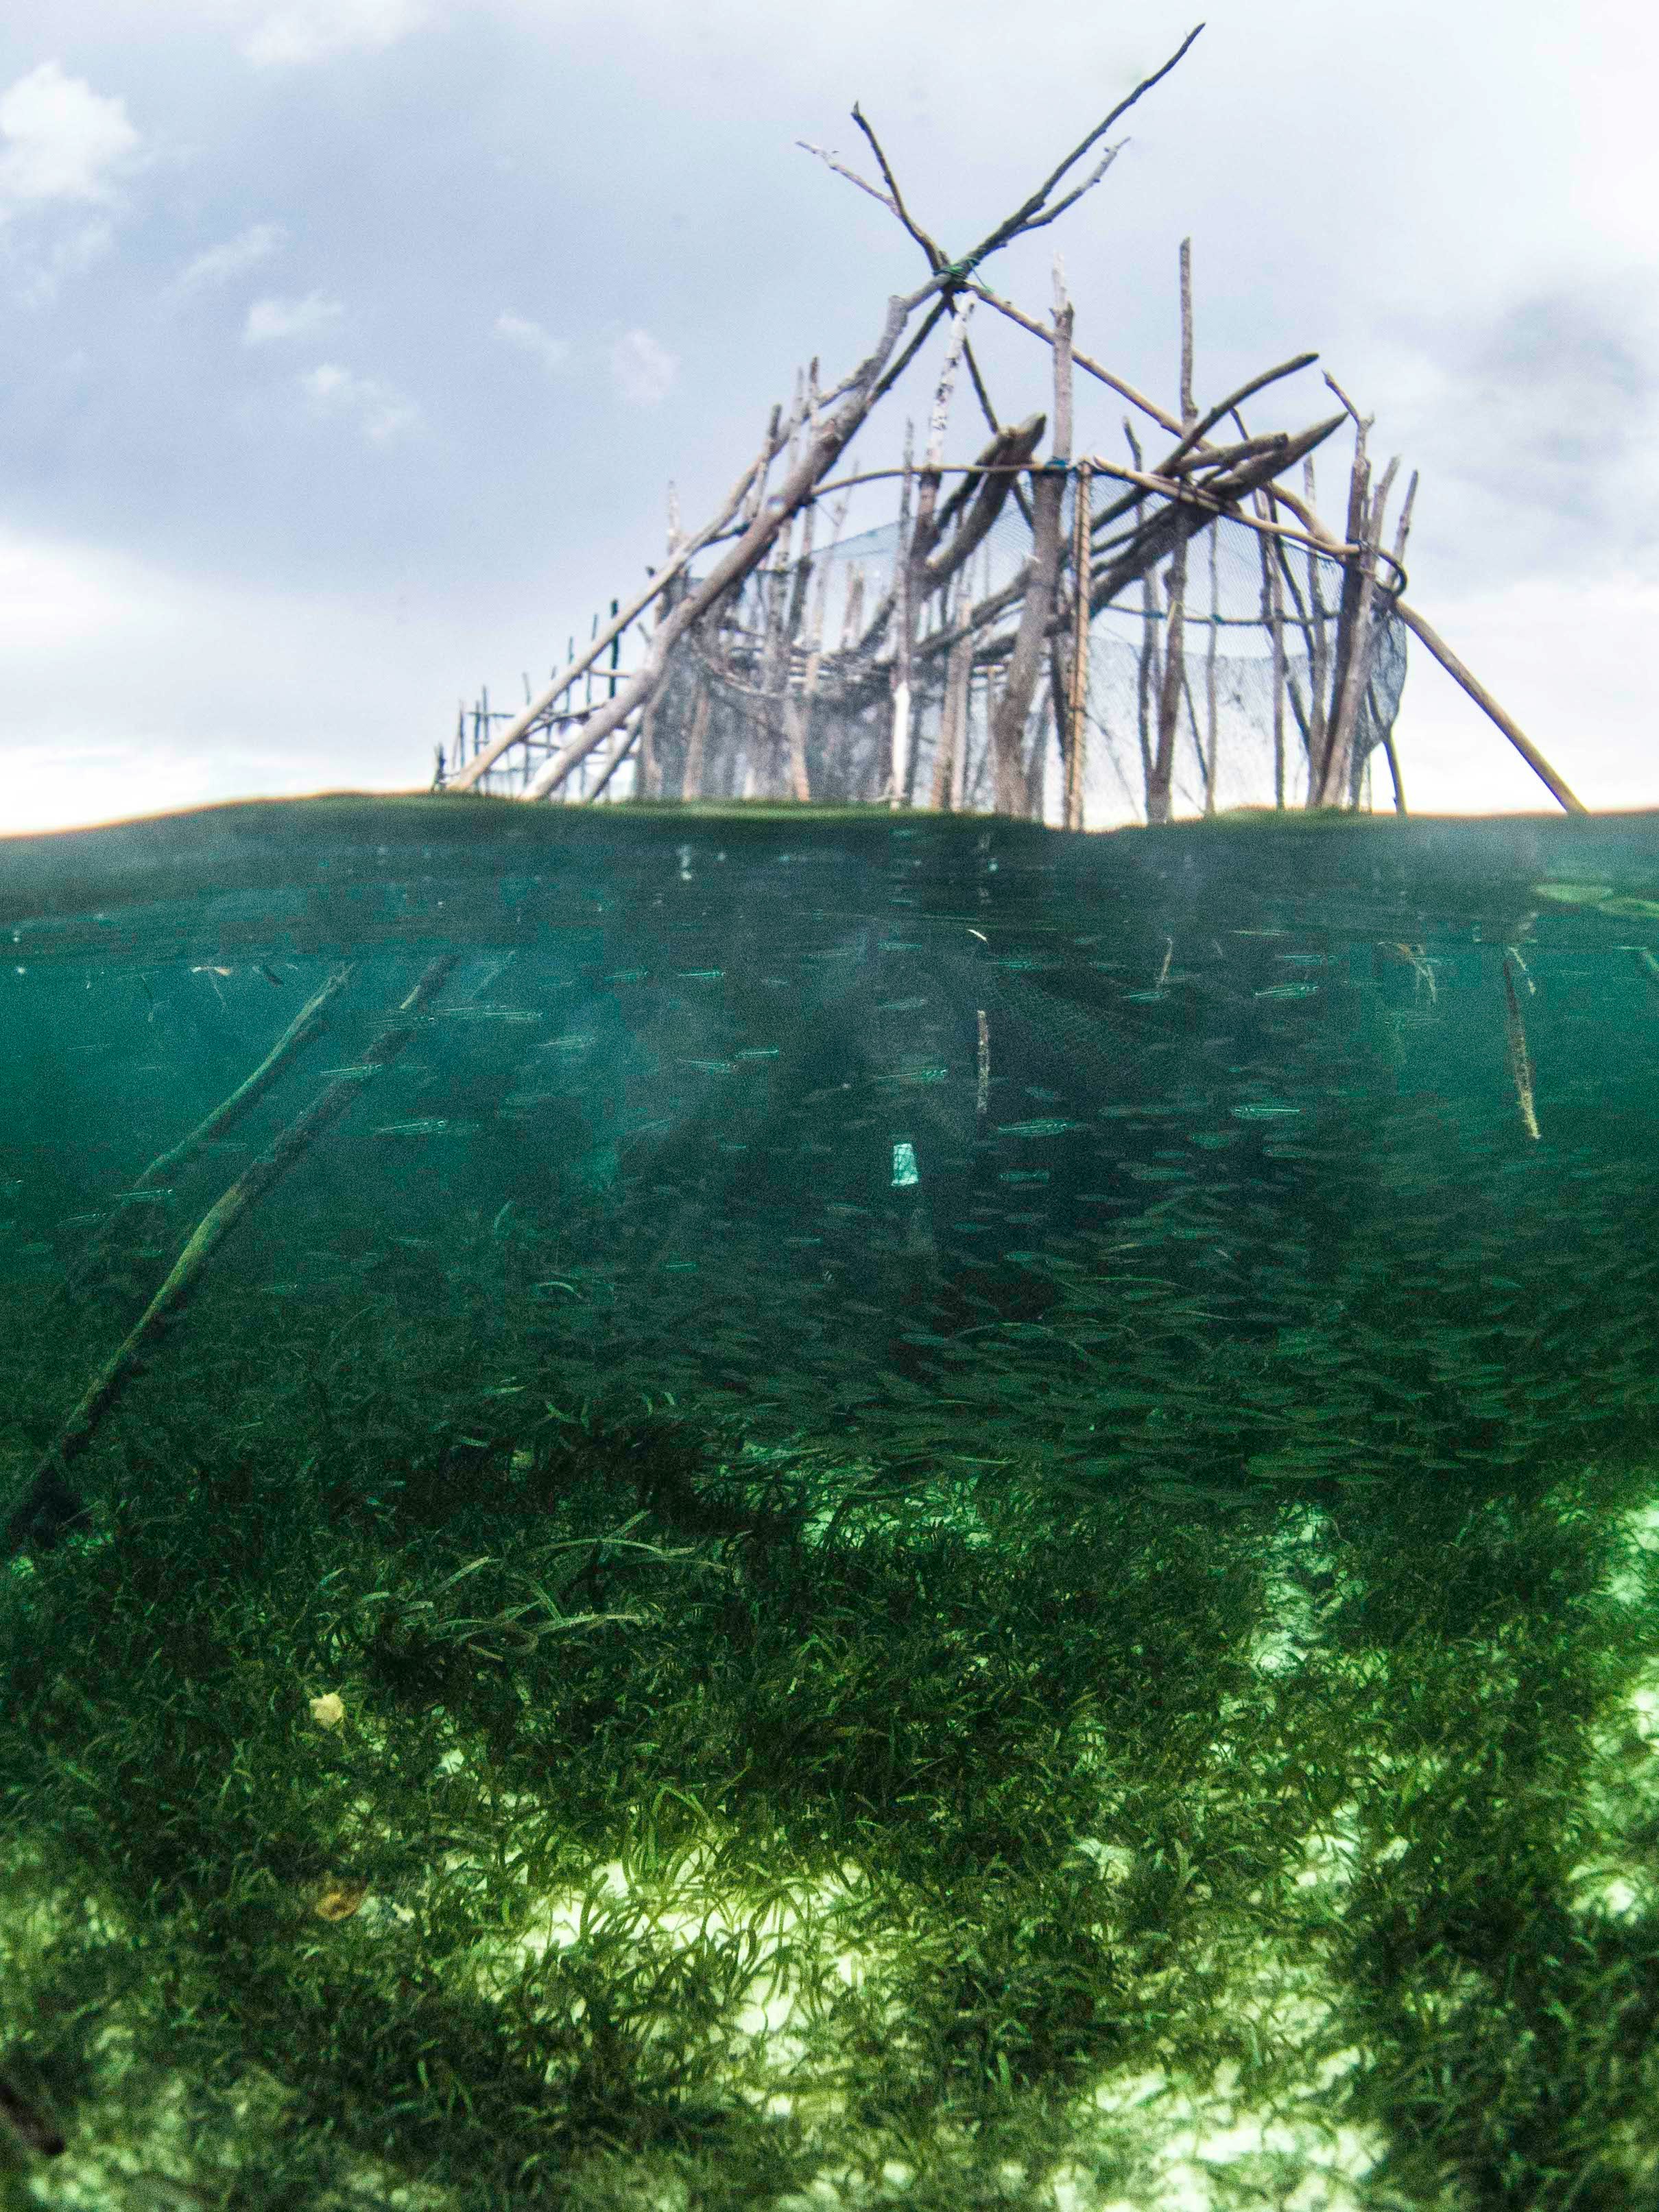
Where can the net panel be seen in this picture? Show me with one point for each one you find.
(788, 688)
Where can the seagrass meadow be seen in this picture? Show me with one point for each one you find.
(756, 1507)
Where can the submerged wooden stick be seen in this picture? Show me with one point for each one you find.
(1520, 1059)
(49, 1503)
(225, 1116)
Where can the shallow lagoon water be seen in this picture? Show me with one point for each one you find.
(912, 1511)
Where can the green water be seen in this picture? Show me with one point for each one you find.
(877, 1514)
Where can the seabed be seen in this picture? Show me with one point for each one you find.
(610, 1827)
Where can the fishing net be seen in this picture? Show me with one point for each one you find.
(787, 690)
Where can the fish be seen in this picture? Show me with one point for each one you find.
(428, 1127)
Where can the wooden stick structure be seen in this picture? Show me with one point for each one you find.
(763, 662)
(49, 1503)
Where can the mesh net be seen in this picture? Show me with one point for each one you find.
(787, 690)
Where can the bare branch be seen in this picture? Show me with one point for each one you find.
(1009, 451)
(935, 255)
(1361, 422)
(851, 175)
(1079, 360)
(1040, 222)
(980, 393)
(1402, 529)
(1024, 216)
(1234, 400)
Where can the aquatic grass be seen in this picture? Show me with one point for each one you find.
(1012, 1792)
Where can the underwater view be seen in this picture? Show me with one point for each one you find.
(769, 1507)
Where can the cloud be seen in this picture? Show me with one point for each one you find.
(313, 30)
(381, 411)
(518, 330)
(290, 319)
(45, 269)
(644, 370)
(220, 264)
(1539, 426)
(60, 140)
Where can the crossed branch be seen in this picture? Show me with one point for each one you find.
(1032, 214)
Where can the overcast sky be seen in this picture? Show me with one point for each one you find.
(349, 346)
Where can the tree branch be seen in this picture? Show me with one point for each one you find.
(935, 255)
(1024, 216)
(851, 175)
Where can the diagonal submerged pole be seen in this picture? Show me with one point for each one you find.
(49, 1503)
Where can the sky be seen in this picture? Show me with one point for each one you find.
(349, 346)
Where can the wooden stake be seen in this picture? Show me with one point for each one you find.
(1174, 684)
(692, 774)
(904, 643)
(1077, 746)
(1010, 768)
(1318, 660)
(1273, 614)
(800, 716)
(1210, 707)
(1064, 319)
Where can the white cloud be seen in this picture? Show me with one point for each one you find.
(44, 269)
(312, 30)
(381, 411)
(220, 264)
(290, 319)
(60, 140)
(643, 369)
(520, 330)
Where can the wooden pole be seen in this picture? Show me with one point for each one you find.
(309, 1023)
(953, 716)
(1272, 614)
(1363, 643)
(1402, 531)
(1077, 747)
(1013, 771)
(691, 778)
(1210, 706)
(48, 1504)
(800, 706)
(898, 765)
(1318, 660)
(1483, 699)
(1173, 683)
